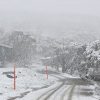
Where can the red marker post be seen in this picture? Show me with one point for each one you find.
(14, 77)
(47, 72)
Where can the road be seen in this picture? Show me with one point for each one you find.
(69, 89)
(64, 88)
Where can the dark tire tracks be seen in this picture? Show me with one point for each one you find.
(65, 92)
(48, 94)
(71, 93)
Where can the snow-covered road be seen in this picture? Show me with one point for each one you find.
(33, 85)
(64, 89)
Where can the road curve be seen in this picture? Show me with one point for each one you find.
(49, 93)
(65, 90)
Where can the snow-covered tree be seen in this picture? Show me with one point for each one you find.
(22, 47)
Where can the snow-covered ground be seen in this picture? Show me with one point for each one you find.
(32, 84)
(28, 79)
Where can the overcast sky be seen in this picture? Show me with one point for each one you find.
(43, 12)
(50, 6)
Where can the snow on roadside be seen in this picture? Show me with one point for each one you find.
(28, 79)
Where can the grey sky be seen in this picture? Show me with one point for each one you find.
(50, 15)
(50, 6)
